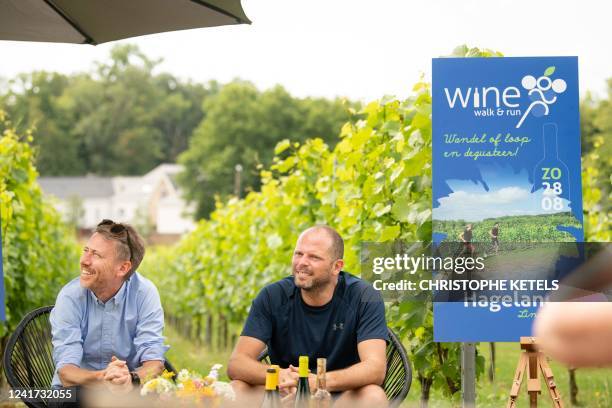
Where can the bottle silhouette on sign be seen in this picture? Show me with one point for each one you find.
(551, 174)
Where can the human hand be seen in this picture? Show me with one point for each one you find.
(116, 369)
(119, 384)
(115, 362)
(117, 377)
(287, 381)
(312, 379)
(578, 334)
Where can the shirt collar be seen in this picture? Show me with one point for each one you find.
(115, 300)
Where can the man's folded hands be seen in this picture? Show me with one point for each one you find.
(117, 376)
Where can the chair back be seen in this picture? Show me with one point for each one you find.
(28, 358)
(399, 372)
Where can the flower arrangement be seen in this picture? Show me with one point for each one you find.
(190, 388)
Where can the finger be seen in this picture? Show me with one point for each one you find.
(288, 382)
(288, 399)
(122, 367)
(115, 372)
(120, 380)
(287, 387)
(109, 373)
(117, 363)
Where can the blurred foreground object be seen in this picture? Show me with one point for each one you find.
(579, 334)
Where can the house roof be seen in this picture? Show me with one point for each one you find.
(126, 187)
(85, 187)
(132, 186)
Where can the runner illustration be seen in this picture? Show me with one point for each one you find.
(466, 238)
(494, 233)
(542, 92)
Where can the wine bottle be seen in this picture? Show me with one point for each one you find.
(321, 398)
(271, 395)
(277, 375)
(302, 396)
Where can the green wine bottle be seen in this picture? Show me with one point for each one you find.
(302, 396)
(271, 395)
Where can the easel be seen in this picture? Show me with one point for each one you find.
(534, 361)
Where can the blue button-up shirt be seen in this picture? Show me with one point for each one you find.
(87, 332)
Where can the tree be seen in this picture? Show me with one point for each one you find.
(120, 118)
(596, 128)
(33, 101)
(242, 125)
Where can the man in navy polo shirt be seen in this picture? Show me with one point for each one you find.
(320, 311)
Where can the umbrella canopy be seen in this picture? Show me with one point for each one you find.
(99, 21)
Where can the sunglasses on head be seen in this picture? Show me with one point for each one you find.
(117, 228)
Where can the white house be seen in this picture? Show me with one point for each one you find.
(153, 199)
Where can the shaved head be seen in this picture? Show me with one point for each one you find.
(336, 248)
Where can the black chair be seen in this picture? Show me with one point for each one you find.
(399, 372)
(28, 359)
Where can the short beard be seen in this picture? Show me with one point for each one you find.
(315, 285)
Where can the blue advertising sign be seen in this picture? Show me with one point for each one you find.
(506, 168)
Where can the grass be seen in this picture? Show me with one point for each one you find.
(184, 353)
(594, 385)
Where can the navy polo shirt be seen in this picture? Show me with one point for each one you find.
(290, 328)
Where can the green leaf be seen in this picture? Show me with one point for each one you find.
(401, 210)
(549, 71)
(389, 233)
(282, 146)
(380, 209)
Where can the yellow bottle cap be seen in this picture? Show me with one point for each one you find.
(277, 374)
(303, 370)
(270, 379)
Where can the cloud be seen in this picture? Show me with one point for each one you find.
(503, 196)
(478, 205)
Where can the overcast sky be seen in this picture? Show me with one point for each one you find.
(361, 49)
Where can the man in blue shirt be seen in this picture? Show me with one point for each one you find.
(107, 323)
(320, 311)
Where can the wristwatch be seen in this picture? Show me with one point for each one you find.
(135, 377)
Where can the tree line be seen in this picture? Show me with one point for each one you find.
(123, 117)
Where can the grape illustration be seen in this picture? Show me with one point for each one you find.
(559, 85)
(528, 82)
(542, 93)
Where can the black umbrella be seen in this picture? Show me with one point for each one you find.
(99, 21)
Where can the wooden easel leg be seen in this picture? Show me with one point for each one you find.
(550, 381)
(534, 388)
(518, 379)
